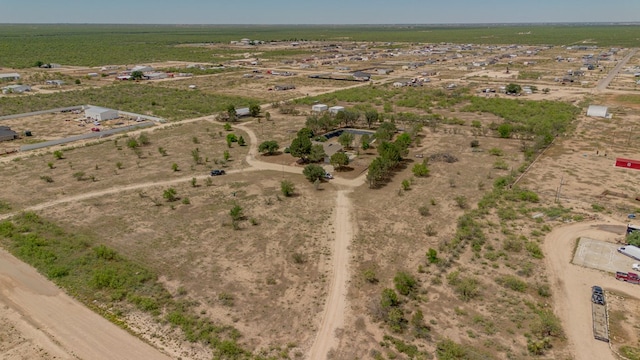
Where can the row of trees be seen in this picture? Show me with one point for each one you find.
(346, 118)
(390, 156)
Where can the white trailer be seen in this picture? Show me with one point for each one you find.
(631, 251)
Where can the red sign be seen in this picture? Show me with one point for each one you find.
(628, 163)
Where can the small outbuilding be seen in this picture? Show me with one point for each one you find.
(9, 77)
(100, 114)
(242, 112)
(336, 109)
(284, 87)
(598, 111)
(7, 134)
(319, 108)
(15, 89)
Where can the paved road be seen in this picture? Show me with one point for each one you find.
(604, 83)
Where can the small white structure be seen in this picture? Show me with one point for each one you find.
(156, 75)
(598, 111)
(15, 89)
(336, 109)
(142, 68)
(319, 108)
(10, 76)
(242, 112)
(100, 114)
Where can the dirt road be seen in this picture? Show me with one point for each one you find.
(571, 286)
(602, 85)
(336, 303)
(61, 325)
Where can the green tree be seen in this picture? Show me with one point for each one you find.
(58, 154)
(300, 147)
(313, 172)
(345, 139)
(226, 155)
(227, 126)
(170, 194)
(267, 115)
(269, 147)
(174, 167)
(365, 142)
(405, 283)
(317, 153)
(339, 160)
(137, 75)
(232, 138)
(287, 188)
(371, 116)
(305, 132)
(350, 116)
(241, 141)
(513, 89)
(254, 110)
(231, 113)
(385, 131)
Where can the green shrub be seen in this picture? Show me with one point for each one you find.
(512, 282)
(405, 283)
(534, 250)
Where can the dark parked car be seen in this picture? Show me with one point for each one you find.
(597, 295)
(217, 172)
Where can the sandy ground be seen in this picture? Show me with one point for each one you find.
(59, 325)
(572, 286)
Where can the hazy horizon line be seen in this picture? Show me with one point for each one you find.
(631, 23)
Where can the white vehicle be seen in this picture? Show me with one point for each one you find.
(636, 267)
(328, 176)
(631, 251)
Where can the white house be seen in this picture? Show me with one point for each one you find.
(100, 113)
(336, 109)
(598, 111)
(319, 108)
(241, 112)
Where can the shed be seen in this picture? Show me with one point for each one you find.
(15, 89)
(9, 76)
(142, 68)
(243, 112)
(7, 134)
(319, 108)
(100, 113)
(336, 109)
(598, 111)
(284, 87)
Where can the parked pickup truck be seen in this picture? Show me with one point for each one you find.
(628, 277)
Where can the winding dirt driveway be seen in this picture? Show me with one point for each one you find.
(571, 286)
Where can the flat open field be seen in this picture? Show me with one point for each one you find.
(469, 259)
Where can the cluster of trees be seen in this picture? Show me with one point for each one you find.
(390, 155)
(347, 117)
(302, 147)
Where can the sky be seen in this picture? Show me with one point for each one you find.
(317, 12)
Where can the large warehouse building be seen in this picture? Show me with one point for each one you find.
(100, 113)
